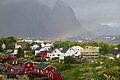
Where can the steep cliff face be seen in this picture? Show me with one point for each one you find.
(30, 18)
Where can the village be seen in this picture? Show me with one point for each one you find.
(34, 58)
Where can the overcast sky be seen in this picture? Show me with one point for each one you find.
(89, 11)
(92, 11)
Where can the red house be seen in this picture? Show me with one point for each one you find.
(43, 69)
(54, 75)
(17, 70)
(16, 62)
(43, 54)
(27, 66)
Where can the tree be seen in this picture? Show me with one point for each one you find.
(9, 42)
(57, 44)
(69, 60)
(27, 46)
(20, 53)
(23, 77)
(105, 47)
(1, 46)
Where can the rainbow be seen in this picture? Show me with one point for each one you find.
(90, 26)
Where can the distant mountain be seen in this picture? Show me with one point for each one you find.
(23, 18)
(106, 30)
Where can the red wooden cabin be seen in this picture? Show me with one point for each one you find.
(54, 75)
(17, 70)
(27, 66)
(43, 54)
(43, 69)
(16, 63)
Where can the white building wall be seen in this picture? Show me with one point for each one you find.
(70, 52)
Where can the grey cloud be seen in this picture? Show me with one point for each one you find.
(30, 18)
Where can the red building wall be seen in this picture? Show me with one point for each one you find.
(48, 69)
(54, 76)
(28, 66)
(44, 71)
(43, 54)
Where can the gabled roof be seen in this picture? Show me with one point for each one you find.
(56, 72)
(41, 66)
(38, 48)
(18, 62)
(18, 67)
(51, 50)
(64, 49)
(39, 44)
(21, 62)
(21, 43)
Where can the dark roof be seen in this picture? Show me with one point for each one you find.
(19, 62)
(114, 52)
(41, 66)
(39, 44)
(21, 43)
(10, 56)
(64, 49)
(9, 62)
(38, 48)
(56, 72)
(18, 67)
(51, 50)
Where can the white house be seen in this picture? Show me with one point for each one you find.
(71, 51)
(67, 51)
(38, 41)
(77, 50)
(39, 49)
(34, 46)
(55, 53)
(48, 46)
(15, 51)
(28, 40)
(78, 53)
(20, 44)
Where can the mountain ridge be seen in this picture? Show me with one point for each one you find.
(29, 18)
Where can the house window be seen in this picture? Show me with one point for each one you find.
(46, 71)
(55, 51)
(70, 49)
(13, 62)
(41, 71)
(50, 75)
(52, 69)
(58, 54)
(28, 65)
(11, 70)
(38, 70)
